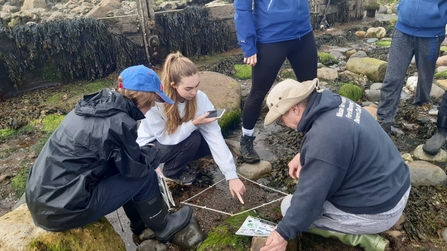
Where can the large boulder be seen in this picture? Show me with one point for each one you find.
(223, 91)
(374, 69)
(18, 233)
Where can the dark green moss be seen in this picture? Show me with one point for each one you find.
(351, 91)
(326, 58)
(51, 122)
(223, 237)
(441, 75)
(229, 121)
(18, 182)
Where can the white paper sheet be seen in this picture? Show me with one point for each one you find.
(253, 226)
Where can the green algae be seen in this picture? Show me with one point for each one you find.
(223, 237)
(351, 91)
(243, 71)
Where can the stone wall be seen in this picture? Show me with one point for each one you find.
(165, 35)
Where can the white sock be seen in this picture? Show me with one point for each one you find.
(246, 132)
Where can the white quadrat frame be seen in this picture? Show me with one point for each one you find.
(230, 214)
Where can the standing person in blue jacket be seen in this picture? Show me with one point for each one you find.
(419, 32)
(353, 182)
(91, 165)
(269, 31)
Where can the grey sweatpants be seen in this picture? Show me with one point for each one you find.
(403, 47)
(335, 219)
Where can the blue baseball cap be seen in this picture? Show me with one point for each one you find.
(140, 78)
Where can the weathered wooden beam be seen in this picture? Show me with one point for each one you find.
(128, 26)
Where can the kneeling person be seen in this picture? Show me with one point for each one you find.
(352, 178)
(92, 165)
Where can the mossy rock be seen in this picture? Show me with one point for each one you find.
(222, 237)
(326, 58)
(225, 93)
(443, 50)
(18, 233)
(243, 71)
(383, 43)
(229, 121)
(351, 91)
(287, 73)
(371, 6)
(441, 75)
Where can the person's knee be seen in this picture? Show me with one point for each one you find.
(195, 139)
(285, 204)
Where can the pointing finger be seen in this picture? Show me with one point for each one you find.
(240, 198)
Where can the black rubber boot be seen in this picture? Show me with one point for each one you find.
(386, 126)
(136, 223)
(247, 150)
(434, 144)
(155, 214)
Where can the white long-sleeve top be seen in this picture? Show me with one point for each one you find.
(153, 127)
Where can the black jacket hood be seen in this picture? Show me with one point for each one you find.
(106, 103)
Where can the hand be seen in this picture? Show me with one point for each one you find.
(237, 188)
(295, 167)
(202, 119)
(275, 242)
(252, 60)
(151, 154)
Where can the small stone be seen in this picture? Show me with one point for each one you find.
(152, 245)
(394, 233)
(257, 243)
(407, 157)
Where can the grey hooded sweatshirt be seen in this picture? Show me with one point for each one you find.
(347, 159)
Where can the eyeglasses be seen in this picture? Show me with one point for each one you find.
(279, 121)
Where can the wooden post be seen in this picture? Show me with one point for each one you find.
(146, 16)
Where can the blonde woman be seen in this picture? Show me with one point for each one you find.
(183, 132)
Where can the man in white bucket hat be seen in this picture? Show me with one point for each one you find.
(353, 182)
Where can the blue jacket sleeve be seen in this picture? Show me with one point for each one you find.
(245, 26)
(317, 180)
